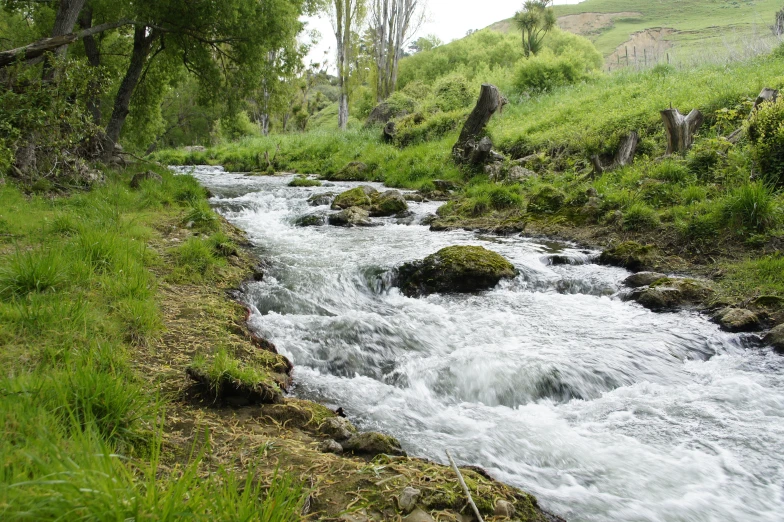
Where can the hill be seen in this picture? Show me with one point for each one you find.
(688, 30)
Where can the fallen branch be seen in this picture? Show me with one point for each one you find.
(465, 488)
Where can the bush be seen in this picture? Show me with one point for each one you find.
(201, 217)
(453, 92)
(751, 207)
(546, 70)
(766, 133)
(640, 216)
(546, 200)
(672, 171)
(706, 157)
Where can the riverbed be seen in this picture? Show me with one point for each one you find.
(551, 381)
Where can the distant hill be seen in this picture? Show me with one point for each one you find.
(684, 29)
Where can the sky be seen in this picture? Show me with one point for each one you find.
(448, 19)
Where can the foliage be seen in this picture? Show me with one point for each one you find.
(766, 133)
(751, 206)
(547, 71)
(534, 21)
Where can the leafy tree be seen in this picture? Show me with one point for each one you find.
(534, 21)
(425, 43)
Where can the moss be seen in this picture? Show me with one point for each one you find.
(629, 254)
(547, 200)
(455, 269)
(387, 203)
(356, 197)
(354, 171)
(301, 181)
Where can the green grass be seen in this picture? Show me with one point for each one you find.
(221, 367)
(82, 435)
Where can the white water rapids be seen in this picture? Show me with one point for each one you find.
(603, 410)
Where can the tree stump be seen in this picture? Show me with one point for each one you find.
(469, 147)
(623, 156)
(681, 129)
(388, 134)
(767, 95)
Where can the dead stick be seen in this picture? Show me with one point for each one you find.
(465, 488)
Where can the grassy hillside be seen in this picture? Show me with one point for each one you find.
(703, 28)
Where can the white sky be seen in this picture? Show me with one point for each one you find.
(448, 19)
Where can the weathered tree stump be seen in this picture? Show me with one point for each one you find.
(767, 95)
(388, 134)
(623, 156)
(470, 148)
(681, 129)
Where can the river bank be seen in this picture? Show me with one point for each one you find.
(123, 294)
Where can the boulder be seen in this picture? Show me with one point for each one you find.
(337, 428)
(738, 320)
(518, 173)
(317, 200)
(548, 200)
(775, 338)
(330, 446)
(672, 293)
(149, 175)
(442, 185)
(641, 279)
(504, 509)
(416, 198)
(354, 171)
(356, 197)
(387, 203)
(373, 443)
(351, 217)
(454, 269)
(408, 499)
(629, 255)
(418, 515)
(310, 220)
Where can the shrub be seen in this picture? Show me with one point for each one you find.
(640, 216)
(222, 245)
(546, 200)
(547, 70)
(201, 217)
(705, 158)
(453, 92)
(766, 133)
(672, 171)
(693, 194)
(752, 207)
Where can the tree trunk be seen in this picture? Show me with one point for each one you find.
(343, 111)
(680, 129)
(142, 44)
(778, 28)
(388, 134)
(767, 95)
(490, 100)
(623, 156)
(67, 14)
(94, 59)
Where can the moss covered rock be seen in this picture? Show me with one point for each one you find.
(372, 443)
(351, 217)
(387, 203)
(629, 255)
(672, 294)
(354, 171)
(356, 197)
(641, 279)
(317, 200)
(547, 200)
(738, 320)
(454, 269)
(775, 338)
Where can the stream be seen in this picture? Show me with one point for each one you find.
(602, 409)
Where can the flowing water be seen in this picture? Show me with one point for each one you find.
(602, 409)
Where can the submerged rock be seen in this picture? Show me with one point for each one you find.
(317, 200)
(738, 320)
(629, 254)
(641, 279)
(775, 338)
(351, 217)
(310, 220)
(387, 203)
(672, 293)
(454, 269)
(373, 443)
(356, 197)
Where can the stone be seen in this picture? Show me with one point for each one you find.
(641, 279)
(357, 516)
(330, 446)
(356, 197)
(738, 320)
(418, 515)
(351, 217)
(504, 508)
(454, 269)
(416, 198)
(387, 203)
(408, 499)
(337, 428)
(775, 338)
(372, 443)
(629, 255)
(258, 274)
(672, 294)
(310, 220)
(354, 171)
(317, 200)
(149, 175)
(517, 173)
(442, 185)
(493, 171)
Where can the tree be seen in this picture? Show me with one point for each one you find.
(534, 21)
(425, 43)
(393, 24)
(346, 16)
